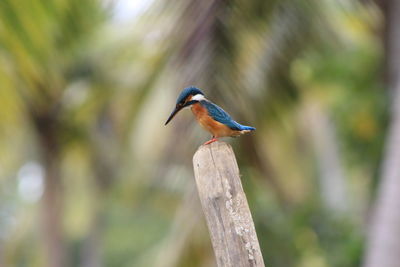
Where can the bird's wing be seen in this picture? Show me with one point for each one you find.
(220, 115)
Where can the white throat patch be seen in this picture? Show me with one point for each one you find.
(198, 97)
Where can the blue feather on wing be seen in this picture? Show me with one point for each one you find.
(221, 116)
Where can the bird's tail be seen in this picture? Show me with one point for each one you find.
(247, 128)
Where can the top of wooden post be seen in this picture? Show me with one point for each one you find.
(225, 206)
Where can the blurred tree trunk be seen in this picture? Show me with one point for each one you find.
(46, 126)
(104, 155)
(92, 249)
(332, 180)
(383, 247)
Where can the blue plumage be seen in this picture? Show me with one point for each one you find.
(221, 116)
(187, 92)
(210, 116)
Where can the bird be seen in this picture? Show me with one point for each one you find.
(210, 116)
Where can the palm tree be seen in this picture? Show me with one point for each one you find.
(41, 53)
(383, 246)
(212, 53)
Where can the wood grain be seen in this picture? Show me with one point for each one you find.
(225, 207)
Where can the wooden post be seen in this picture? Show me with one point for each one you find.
(225, 207)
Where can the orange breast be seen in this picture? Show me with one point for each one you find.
(216, 128)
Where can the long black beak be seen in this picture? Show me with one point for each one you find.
(176, 110)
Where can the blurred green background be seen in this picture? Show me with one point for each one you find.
(90, 176)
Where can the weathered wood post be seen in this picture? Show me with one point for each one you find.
(225, 207)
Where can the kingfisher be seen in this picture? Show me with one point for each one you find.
(210, 116)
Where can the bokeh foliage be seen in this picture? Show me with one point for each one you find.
(84, 95)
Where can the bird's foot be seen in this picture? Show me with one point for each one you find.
(210, 141)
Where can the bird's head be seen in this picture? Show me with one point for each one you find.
(188, 96)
